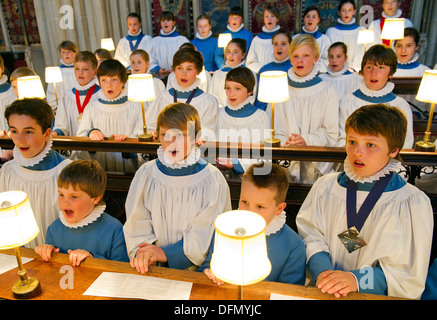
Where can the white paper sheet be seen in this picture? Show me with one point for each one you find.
(9, 262)
(277, 296)
(125, 285)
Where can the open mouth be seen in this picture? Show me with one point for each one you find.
(24, 149)
(358, 164)
(69, 213)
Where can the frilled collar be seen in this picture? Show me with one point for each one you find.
(294, 78)
(276, 224)
(347, 24)
(30, 162)
(342, 72)
(389, 86)
(190, 160)
(195, 85)
(168, 34)
(229, 68)
(135, 35)
(64, 65)
(392, 166)
(264, 28)
(93, 216)
(239, 28)
(412, 61)
(397, 15)
(198, 36)
(240, 106)
(122, 98)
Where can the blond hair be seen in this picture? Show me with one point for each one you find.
(21, 72)
(304, 40)
(180, 116)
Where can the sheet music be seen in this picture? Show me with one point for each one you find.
(9, 262)
(277, 296)
(125, 285)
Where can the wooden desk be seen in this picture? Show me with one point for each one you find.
(50, 277)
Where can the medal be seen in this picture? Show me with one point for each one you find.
(79, 119)
(351, 238)
(81, 107)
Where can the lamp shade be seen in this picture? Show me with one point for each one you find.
(202, 76)
(393, 29)
(53, 75)
(141, 88)
(30, 87)
(107, 44)
(17, 222)
(365, 36)
(223, 39)
(428, 87)
(240, 249)
(273, 87)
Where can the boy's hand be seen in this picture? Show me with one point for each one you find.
(212, 277)
(96, 135)
(147, 255)
(295, 140)
(164, 72)
(3, 133)
(339, 283)
(77, 256)
(119, 137)
(54, 134)
(45, 251)
(224, 164)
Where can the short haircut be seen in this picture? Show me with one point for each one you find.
(203, 17)
(241, 43)
(112, 68)
(380, 54)
(236, 11)
(68, 45)
(273, 10)
(103, 54)
(188, 55)
(166, 15)
(285, 33)
(141, 53)
(412, 32)
(84, 175)
(312, 8)
(302, 40)
(276, 179)
(88, 57)
(187, 45)
(343, 2)
(2, 62)
(380, 119)
(243, 76)
(21, 72)
(37, 109)
(339, 44)
(134, 15)
(180, 116)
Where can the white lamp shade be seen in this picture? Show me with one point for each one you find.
(393, 29)
(273, 87)
(30, 87)
(202, 76)
(223, 39)
(17, 222)
(141, 88)
(428, 87)
(53, 75)
(240, 259)
(366, 36)
(107, 44)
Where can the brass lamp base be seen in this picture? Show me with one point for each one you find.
(26, 289)
(145, 137)
(272, 142)
(424, 146)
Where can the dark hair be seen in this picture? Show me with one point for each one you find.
(380, 54)
(86, 175)
(236, 11)
(188, 55)
(339, 44)
(241, 43)
(412, 32)
(273, 10)
(103, 54)
(134, 15)
(242, 75)
(112, 68)
(187, 45)
(343, 2)
(166, 15)
(203, 17)
(284, 32)
(277, 179)
(180, 116)
(37, 109)
(68, 45)
(86, 56)
(380, 119)
(312, 8)
(141, 53)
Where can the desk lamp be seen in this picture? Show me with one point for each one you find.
(222, 42)
(18, 227)
(365, 36)
(54, 75)
(30, 87)
(141, 89)
(273, 88)
(393, 29)
(428, 93)
(240, 249)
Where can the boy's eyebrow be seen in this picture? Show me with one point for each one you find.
(23, 128)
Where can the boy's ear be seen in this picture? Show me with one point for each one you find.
(47, 134)
(394, 153)
(281, 207)
(96, 200)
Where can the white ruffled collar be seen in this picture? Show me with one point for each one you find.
(121, 96)
(241, 64)
(379, 93)
(166, 34)
(277, 61)
(240, 106)
(338, 73)
(87, 86)
(30, 162)
(311, 32)
(276, 224)
(294, 77)
(239, 28)
(3, 79)
(264, 28)
(347, 24)
(190, 160)
(67, 65)
(392, 165)
(413, 59)
(93, 216)
(198, 36)
(397, 15)
(134, 35)
(195, 85)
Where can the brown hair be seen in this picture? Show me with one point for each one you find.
(180, 116)
(88, 57)
(36, 108)
(68, 45)
(141, 53)
(112, 68)
(243, 76)
(380, 54)
(188, 55)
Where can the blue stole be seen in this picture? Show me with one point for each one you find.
(248, 110)
(84, 92)
(346, 27)
(306, 84)
(190, 170)
(51, 160)
(131, 39)
(63, 66)
(118, 101)
(315, 35)
(384, 99)
(5, 87)
(185, 95)
(408, 66)
(267, 35)
(171, 35)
